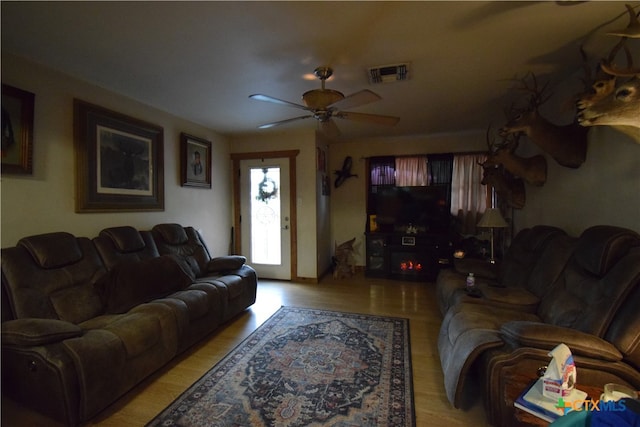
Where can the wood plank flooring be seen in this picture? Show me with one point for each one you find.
(415, 301)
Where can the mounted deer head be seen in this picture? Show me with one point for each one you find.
(620, 106)
(619, 109)
(532, 169)
(509, 188)
(566, 144)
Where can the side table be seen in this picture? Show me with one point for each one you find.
(515, 384)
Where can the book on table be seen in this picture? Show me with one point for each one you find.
(532, 401)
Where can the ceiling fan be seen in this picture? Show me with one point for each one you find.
(325, 104)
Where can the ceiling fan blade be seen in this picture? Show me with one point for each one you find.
(330, 128)
(369, 118)
(266, 98)
(281, 122)
(356, 99)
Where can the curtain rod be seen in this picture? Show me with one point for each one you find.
(460, 153)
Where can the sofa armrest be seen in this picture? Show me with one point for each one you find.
(546, 336)
(225, 263)
(30, 332)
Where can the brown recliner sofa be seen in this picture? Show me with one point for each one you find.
(587, 306)
(533, 261)
(85, 320)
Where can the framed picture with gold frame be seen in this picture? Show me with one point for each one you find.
(17, 130)
(195, 161)
(119, 161)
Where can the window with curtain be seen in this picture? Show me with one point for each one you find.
(411, 171)
(468, 195)
(461, 173)
(383, 171)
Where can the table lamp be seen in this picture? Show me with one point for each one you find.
(492, 218)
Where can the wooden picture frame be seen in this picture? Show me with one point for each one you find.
(195, 161)
(17, 130)
(119, 161)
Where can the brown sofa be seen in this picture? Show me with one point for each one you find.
(585, 297)
(85, 320)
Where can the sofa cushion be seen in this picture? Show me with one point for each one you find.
(130, 284)
(52, 250)
(174, 234)
(586, 301)
(78, 303)
(192, 266)
(126, 239)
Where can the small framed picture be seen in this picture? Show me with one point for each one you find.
(195, 161)
(17, 130)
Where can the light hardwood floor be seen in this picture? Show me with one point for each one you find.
(415, 301)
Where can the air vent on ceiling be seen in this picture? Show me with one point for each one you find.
(389, 73)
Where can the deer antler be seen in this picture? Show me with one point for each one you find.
(537, 97)
(608, 66)
(632, 29)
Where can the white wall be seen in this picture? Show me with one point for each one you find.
(45, 201)
(604, 190)
(305, 141)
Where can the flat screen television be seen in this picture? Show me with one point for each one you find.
(426, 208)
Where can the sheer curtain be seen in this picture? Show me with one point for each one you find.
(383, 171)
(468, 195)
(411, 171)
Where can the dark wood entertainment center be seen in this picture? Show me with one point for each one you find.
(408, 226)
(402, 256)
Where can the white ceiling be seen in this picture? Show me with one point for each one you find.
(201, 60)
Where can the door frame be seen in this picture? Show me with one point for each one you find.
(293, 206)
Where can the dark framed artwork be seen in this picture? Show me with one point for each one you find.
(119, 161)
(17, 130)
(195, 161)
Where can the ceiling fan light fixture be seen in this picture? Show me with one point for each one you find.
(321, 98)
(324, 104)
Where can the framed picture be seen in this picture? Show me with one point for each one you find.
(195, 161)
(119, 161)
(17, 130)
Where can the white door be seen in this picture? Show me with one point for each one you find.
(265, 216)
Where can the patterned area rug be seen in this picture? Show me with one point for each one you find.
(306, 367)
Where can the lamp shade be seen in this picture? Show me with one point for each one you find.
(492, 218)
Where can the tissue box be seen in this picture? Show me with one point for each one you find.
(560, 378)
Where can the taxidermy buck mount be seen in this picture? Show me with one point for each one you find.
(566, 144)
(614, 101)
(532, 169)
(508, 187)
